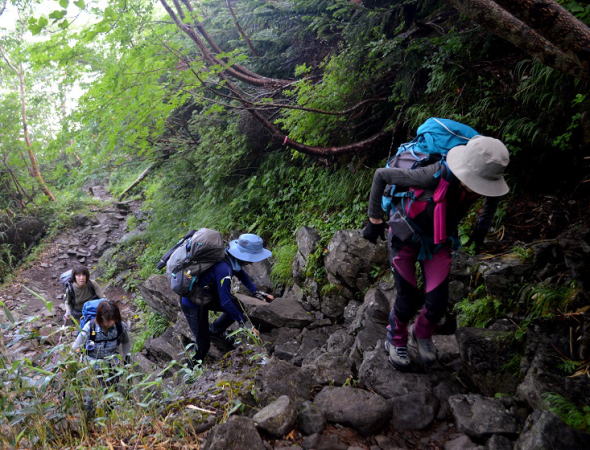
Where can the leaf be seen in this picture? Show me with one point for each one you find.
(80, 4)
(64, 3)
(57, 15)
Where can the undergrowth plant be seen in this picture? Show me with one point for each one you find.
(573, 415)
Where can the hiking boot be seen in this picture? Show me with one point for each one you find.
(425, 348)
(397, 356)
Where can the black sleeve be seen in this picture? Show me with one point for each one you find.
(485, 218)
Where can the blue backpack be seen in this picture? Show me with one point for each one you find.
(89, 311)
(434, 138)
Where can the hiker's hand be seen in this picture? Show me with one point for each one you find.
(66, 316)
(255, 332)
(374, 230)
(264, 296)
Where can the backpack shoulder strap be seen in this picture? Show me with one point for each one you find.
(92, 334)
(119, 326)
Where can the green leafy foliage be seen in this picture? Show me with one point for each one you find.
(283, 256)
(573, 415)
(478, 309)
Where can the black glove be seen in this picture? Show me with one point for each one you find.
(127, 359)
(374, 230)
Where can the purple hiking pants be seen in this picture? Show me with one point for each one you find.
(433, 302)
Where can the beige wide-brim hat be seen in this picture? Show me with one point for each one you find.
(480, 165)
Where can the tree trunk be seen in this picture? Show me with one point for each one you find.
(35, 170)
(555, 23)
(505, 25)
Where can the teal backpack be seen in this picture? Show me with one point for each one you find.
(434, 138)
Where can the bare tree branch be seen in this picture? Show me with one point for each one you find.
(240, 30)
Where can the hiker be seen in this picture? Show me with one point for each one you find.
(79, 289)
(104, 335)
(216, 281)
(470, 171)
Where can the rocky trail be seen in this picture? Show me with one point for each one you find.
(319, 378)
(36, 284)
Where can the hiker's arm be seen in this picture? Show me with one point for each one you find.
(81, 338)
(484, 220)
(246, 280)
(226, 298)
(421, 177)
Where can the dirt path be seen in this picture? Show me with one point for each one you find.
(84, 243)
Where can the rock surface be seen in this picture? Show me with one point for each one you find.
(480, 416)
(238, 433)
(544, 430)
(278, 417)
(357, 408)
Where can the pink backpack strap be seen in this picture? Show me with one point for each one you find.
(440, 211)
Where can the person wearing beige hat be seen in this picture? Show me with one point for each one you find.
(424, 229)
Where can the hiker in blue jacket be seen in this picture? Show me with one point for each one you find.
(248, 248)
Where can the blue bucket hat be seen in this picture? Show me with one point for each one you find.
(249, 248)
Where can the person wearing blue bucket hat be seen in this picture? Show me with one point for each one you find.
(248, 248)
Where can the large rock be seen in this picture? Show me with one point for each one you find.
(259, 272)
(351, 258)
(307, 241)
(376, 374)
(277, 378)
(544, 430)
(362, 410)
(165, 348)
(330, 368)
(370, 324)
(310, 419)
(546, 343)
(503, 276)
(462, 442)
(485, 355)
(277, 418)
(238, 433)
(158, 295)
(481, 417)
(281, 312)
(414, 411)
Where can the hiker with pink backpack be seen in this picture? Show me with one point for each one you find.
(425, 190)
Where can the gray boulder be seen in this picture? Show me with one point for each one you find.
(307, 241)
(330, 368)
(165, 348)
(376, 374)
(370, 323)
(544, 430)
(414, 411)
(362, 410)
(259, 272)
(462, 442)
(333, 304)
(277, 418)
(503, 276)
(445, 389)
(277, 378)
(485, 354)
(350, 259)
(158, 295)
(480, 416)
(310, 419)
(281, 312)
(237, 433)
(546, 344)
(499, 442)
